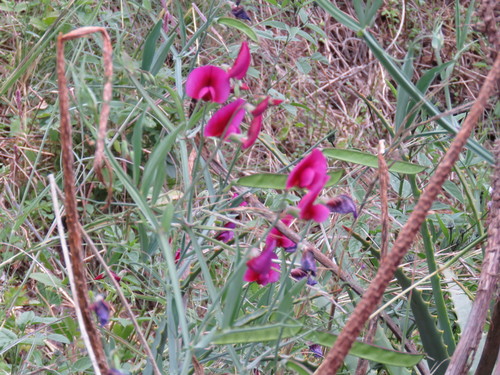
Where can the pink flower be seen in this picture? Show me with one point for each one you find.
(243, 203)
(279, 239)
(262, 269)
(311, 211)
(253, 132)
(261, 107)
(241, 64)
(309, 172)
(209, 83)
(226, 121)
(343, 204)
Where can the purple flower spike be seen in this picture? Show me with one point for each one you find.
(316, 350)
(343, 204)
(102, 310)
(226, 235)
(261, 269)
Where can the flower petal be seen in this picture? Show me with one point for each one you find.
(226, 120)
(209, 83)
(311, 211)
(261, 107)
(241, 64)
(262, 269)
(226, 235)
(253, 132)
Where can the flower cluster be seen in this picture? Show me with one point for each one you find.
(211, 83)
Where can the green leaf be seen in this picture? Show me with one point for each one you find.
(278, 181)
(46, 279)
(293, 329)
(239, 25)
(150, 46)
(364, 158)
(370, 352)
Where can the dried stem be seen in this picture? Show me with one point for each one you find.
(383, 173)
(374, 293)
(88, 324)
(488, 282)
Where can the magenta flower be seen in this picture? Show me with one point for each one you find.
(343, 204)
(241, 64)
(226, 235)
(226, 121)
(311, 211)
(261, 107)
(279, 239)
(316, 350)
(209, 83)
(309, 172)
(253, 132)
(261, 269)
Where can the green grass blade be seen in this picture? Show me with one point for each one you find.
(240, 26)
(150, 46)
(340, 16)
(369, 160)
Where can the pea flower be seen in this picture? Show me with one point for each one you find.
(226, 121)
(343, 204)
(102, 276)
(241, 64)
(310, 172)
(226, 235)
(208, 83)
(253, 132)
(261, 269)
(307, 269)
(279, 239)
(316, 350)
(311, 211)
(101, 309)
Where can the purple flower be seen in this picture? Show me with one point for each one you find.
(343, 204)
(226, 121)
(101, 309)
(308, 263)
(299, 274)
(310, 172)
(226, 235)
(316, 350)
(209, 83)
(240, 12)
(261, 269)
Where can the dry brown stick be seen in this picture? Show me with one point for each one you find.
(488, 281)
(374, 293)
(492, 345)
(75, 239)
(383, 173)
(107, 52)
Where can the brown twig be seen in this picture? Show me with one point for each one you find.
(383, 173)
(488, 282)
(374, 293)
(492, 344)
(72, 220)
